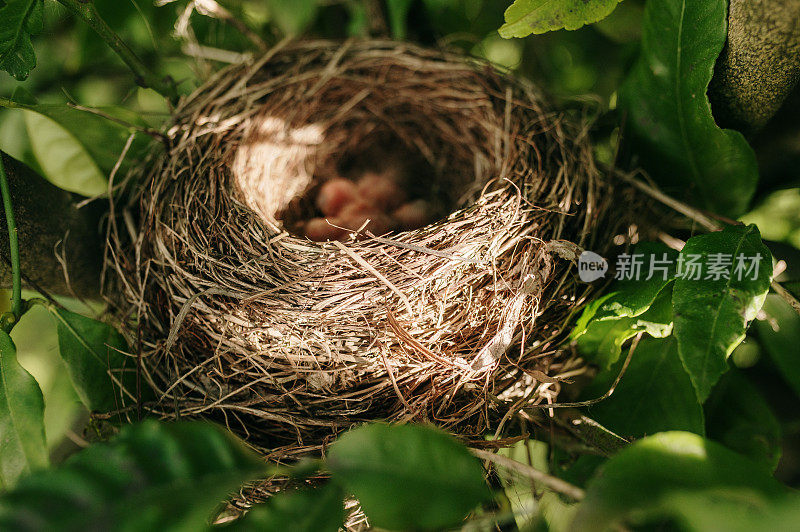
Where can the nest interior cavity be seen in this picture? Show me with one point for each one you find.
(289, 341)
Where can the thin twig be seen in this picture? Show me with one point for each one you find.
(13, 241)
(686, 210)
(423, 249)
(86, 10)
(786, 295)
(214, 10)
(606, 395)
(596, 436)
(554, 483)
(144, 129)
(36, 287)
(360, 260)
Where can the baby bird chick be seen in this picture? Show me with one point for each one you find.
(376, 202)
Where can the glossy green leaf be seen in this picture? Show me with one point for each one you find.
(779, 334)
(624, 25)
(72, 132)
(578, 469)
(739, 417)
(307, 510)
(64, 161)
(98, 363)
(37, 349)
(19, 20)
(654, 395)
(732, 511)
(23, 445)
(408, 477)
(711, 311)
(152, 476)
(669, 121)
(524, 17)
(602, 339)
(649, 268)
(644, 275)
(636, 485)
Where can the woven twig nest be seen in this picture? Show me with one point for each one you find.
(290, 341)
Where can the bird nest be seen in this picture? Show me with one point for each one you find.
(289, 341)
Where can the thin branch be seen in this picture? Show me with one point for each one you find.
(786, 295)
(678, 206)
(590, 432)
(13, 240)
(86, 10)
(554, 483)
(590, 402)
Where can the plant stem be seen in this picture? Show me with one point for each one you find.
(16, 272)
(144, 77)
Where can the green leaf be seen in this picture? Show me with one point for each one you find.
(578, 469)
(308, 510)
(23, 445)
(669, 121)
(542, 506)
(730, 513)
(64, 161)
(602, 339)
(153, 476)
(19, 20)
(637, 287)
(610, 320)
(524, 17)
(711, 315)
(37, 350)
(293, 16)
(654, 395)
(778, 215)
(780, 336)
(78, 136)
(638, 484)
(739, 417)
(95, 356)
(624, 25)
(408, 477)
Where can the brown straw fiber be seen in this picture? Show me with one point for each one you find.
(288, 341)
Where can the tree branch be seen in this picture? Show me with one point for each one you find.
(759, 65)
(144, 76)
(47, 220)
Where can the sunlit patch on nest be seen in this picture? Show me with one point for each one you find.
(290, 341)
